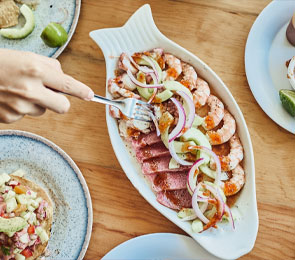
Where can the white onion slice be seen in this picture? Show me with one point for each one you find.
(155, 122)
(216, 159)
(291, 75)
(138, 83)
(191, 178)
(175, 156)
(191, 107)
(144, 69)
(150, 62)
(181, 120)
(195, 204)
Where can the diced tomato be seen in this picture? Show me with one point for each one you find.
(3, 215)
(20, 189)
(31, 229)
(27, 253)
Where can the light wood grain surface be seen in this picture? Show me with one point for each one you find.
(216, 31)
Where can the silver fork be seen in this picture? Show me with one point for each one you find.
(130, 107)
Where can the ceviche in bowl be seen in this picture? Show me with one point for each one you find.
(193, 159)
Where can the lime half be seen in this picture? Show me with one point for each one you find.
(54, 35)
(288, 100)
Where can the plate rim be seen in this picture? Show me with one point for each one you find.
(247, 65)
(71, 31)
(72, 164)
(151, 236)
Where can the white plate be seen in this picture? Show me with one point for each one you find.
(159, 246)
(47, 11)
(267, 51)
(139, 34)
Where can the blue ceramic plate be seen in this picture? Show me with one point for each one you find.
(65, 11)
(50, 167)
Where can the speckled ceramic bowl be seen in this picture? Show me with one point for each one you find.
(50, 167)
(65, 11)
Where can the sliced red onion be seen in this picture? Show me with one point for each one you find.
(138, 83)
(144, 69)
(150, 62)
(191, 178)
(195, 204)
(216, 159)
(191, 107)
(220, 205)
(181, 120)
(175, 156)
(155, 122)
(230, 216)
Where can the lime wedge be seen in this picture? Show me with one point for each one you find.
(19, 33)
(54, 35)
(288, 100)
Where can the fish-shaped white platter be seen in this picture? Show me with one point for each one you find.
(141, 34)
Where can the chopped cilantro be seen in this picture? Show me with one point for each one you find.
(5, 250)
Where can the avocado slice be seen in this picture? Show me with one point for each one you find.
(19, 33)
(12, 224)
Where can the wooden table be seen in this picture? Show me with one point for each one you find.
(216, 31)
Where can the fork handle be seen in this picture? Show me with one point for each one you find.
(105, 101)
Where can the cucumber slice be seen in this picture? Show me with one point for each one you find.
(19, 33)
(176, 86)
(199, 138)
(197, 226)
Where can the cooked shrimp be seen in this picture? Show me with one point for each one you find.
(117, 90)
(125, 64)
(189, 75)
(236, 182)
(174, 67)
(125, 82)
(202, 93)
(223, 134)
(231, 160)
(215, 114)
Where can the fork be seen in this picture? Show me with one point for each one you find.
(130, 107)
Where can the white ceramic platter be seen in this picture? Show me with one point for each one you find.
(65, 11)
(140, 34)
(159, 246)
(267, 51)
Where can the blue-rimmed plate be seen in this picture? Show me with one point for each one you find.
(50, 167)
(64, 11)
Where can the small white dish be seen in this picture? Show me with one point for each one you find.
(140, 34)
(159, 246)
(266, 53)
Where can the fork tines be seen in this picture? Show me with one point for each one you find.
(142, 111)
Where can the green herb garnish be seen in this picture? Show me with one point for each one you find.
(5, 250)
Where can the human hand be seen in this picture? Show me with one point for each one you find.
(28, 85)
